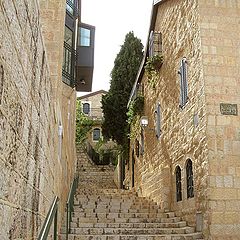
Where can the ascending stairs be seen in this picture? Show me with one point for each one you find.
(103, 212)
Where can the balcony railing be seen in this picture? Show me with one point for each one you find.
(69, 63)
(72, 7)
(93, 113)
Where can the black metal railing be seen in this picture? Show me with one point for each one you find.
(52, 215)
(69, 205)
(72, 7)
(69, 63)
(105, 158)
(93, 113)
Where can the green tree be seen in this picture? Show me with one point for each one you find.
(123, 76)
(83, 123)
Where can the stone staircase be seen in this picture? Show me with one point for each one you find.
(101, 211)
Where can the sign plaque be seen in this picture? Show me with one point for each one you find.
(228, 109)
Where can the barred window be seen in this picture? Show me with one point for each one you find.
(86, 108)
(183, 83)
(189, 171)
(178, 184)
(96, 134)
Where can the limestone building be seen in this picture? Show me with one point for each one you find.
(46, 55)
(186, 151)
(92, 107)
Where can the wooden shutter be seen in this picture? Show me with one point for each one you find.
(158, 120)
(183, 83)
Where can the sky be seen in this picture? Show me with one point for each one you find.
(113, 19)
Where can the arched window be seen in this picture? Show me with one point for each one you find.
(86, 108)
(96, 134)
(189, 171)
(178, 184)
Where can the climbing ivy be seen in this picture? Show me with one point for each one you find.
(152, 68)
(83, 124)
(135, 108)
(134, 112)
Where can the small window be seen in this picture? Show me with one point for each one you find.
(158, 120)
(178, 184)
(155, 44)
(183, 83)
(96, 134)
(189, 171)
(86, 108)
(85, 37)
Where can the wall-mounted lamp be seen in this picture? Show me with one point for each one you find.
(144, 124)
(82, 81)
(144, 121)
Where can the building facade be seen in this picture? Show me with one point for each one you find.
(40, 73)
(92, 108)
(186, 151)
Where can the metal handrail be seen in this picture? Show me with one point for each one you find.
(52, 214)
(69, 205)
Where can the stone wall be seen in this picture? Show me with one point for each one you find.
(221, 64)
(183, 130)
(32, 171)
(52, 21)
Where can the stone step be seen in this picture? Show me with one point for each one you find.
(105, 191)
(118, 210)
(130, 225)
(116, 198)
(122, 215)
(191, 236)
(131, 231)
(79, 220)
(103, 212)
(120, 206)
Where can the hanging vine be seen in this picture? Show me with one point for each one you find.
(152, 68)
(134, 112)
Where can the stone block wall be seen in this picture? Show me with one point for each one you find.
(95, 103)
(219, 21)
(31, 171)
(183, 131)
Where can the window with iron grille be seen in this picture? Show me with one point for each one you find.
(155, 44)
(86, 108)
(189, 171)
(158, 120)
(183, 83)
(69, 58)
(96, 134)
(70, 6)
(178, 184)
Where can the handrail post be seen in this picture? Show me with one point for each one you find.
(67, 223)
(55, 225)
(52, 213)
(69, 205)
